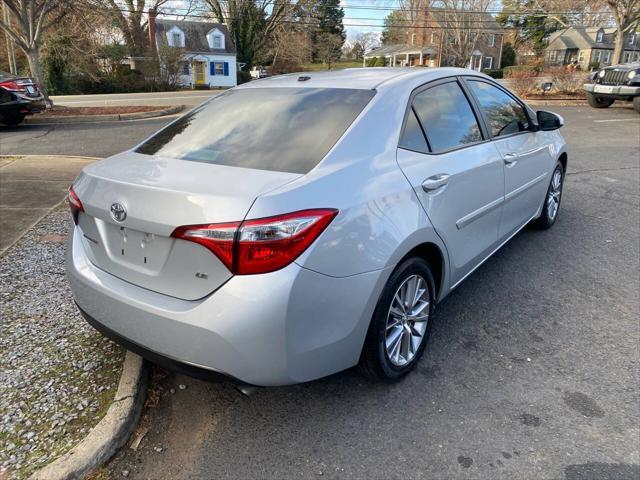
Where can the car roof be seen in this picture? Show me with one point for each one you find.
(356, 78)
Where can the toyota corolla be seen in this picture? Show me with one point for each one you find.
(297, 226)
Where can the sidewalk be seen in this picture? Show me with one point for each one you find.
(189, 98)
(30, 186)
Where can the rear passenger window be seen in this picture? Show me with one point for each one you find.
(412, 136)
(503, 114)
(446, 116)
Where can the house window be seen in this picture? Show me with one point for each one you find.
(176, 40)
(491, 40)
(413, 39)
(597, 56)
(599, 36)
(184, 68)
(581, 56)
(636, 56)
(553, 55)
(487, 62)
(219, 68)
(215, 39)
(433, 38)
(632, 39)
(606, 57)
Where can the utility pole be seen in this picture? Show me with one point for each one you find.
(11, 51)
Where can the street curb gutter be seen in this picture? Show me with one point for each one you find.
(105, 118)
(111, 433)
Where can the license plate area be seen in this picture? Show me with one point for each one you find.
(137, 250)
(603, 89)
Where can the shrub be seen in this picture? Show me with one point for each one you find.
(243, 77)
(371, 62)
(493, 73)
(381, 62)
(508, 71)
(508, 57)
(522, 81)
(594, 66)
(567, 81)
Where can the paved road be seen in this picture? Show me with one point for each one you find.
(91, 139)
(531, 372)
(187, 97)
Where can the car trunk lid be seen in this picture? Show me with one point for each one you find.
(157, 195)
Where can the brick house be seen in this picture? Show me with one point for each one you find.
(436, 38)
(588, 46)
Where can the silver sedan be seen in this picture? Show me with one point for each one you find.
(300, 225)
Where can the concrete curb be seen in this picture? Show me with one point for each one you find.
(111, 433)
(558, 102)
(105, 118)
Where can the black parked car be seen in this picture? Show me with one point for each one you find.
(618, 82)
(19, 97)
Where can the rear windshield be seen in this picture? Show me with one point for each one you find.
(281, 129)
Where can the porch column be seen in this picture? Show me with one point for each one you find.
(393, 60)
(420, 58)
(364, 61)
(406, 59)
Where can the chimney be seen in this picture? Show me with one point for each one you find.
(152, 28)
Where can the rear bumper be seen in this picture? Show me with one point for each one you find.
(288, 326)
(615, 90)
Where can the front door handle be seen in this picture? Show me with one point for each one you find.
(510, 158)
(435, 182)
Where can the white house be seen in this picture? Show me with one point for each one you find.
(209, 52)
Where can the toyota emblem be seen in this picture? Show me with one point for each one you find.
(118, 212)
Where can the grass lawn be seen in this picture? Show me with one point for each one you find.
(314, 67)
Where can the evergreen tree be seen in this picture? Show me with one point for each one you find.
(330, 14)
(395, 28)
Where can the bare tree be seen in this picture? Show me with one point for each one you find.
(31, 18)
(328, 48)
(368, 40)
(251, 23)
(463, 22)
(130, 16)
(290, 47)
(626, 14)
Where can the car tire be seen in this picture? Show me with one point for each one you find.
(551, 206)
(598, 101)
(11, 120)
(376, 361)
(636, 104)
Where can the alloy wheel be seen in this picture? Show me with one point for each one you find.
(407, 320)
(553, 197)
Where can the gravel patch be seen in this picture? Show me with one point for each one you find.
(57, 374)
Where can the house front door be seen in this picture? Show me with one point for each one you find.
(198, 73)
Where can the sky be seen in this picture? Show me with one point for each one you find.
(360, 18)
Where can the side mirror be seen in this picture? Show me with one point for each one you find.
(549, 120)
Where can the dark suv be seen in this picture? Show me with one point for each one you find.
(19, 97)
(618, 82)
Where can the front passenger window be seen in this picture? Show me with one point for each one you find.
(503, 114)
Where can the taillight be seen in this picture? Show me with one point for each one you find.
(217, 237)
(75, 205)
(13, 86)
(261, 245)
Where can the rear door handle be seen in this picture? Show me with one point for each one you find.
(510, 158)
(435, 182)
